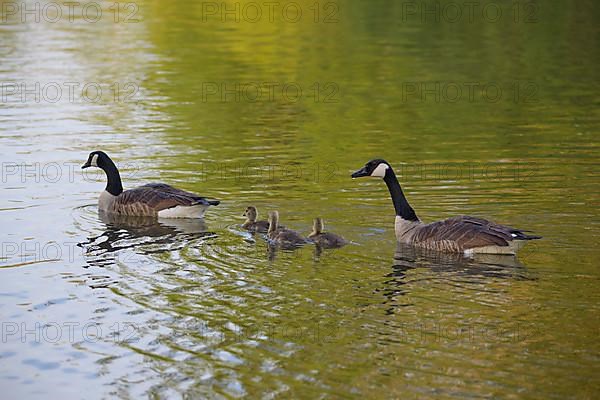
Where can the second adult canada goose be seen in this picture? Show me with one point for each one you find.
(252, 224)
(151, 200)
(325, 239)
(279, 235)
(462, 234)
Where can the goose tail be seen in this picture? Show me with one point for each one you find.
(207, 202)
(523, 236)
(532, 237)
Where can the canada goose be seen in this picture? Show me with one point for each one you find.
(325, 239)
(279, 235)
(252, 224)
(462, 234)
(152, 200)
(133, 233)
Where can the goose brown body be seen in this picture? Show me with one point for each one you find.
(462, 234)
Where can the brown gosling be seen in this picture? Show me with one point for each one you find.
(325, 239)
(252, 224)
(279, 235)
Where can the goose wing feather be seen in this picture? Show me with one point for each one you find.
(465, 232)
(509, 233)
(159, 196)
(196, 199)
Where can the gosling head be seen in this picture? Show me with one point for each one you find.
(97, 159)
(273, 220)
(251, 213)
(318, 226)
(377, 168)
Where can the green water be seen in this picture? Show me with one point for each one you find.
(484, 117)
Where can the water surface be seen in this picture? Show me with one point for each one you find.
(118, 307)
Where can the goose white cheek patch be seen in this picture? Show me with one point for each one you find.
(380, 170)
(94, 160)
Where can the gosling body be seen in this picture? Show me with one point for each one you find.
(325, 239)
(280, 236)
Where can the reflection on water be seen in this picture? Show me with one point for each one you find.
(145, 235)
(484, 265)
(452, 268)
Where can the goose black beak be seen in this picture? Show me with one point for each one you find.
(360, 173)
(86, 165)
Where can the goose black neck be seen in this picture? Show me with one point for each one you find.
(113, 185)
(403, 209)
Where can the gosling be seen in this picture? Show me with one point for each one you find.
(325, 239)
(279, 235)
(252, 224)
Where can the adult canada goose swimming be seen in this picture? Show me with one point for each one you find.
(279, 235)
(151, 200)
(462, 234)
(252, 224)
(325, 239)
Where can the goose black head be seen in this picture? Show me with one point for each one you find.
(97, 159)
(377, 168)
